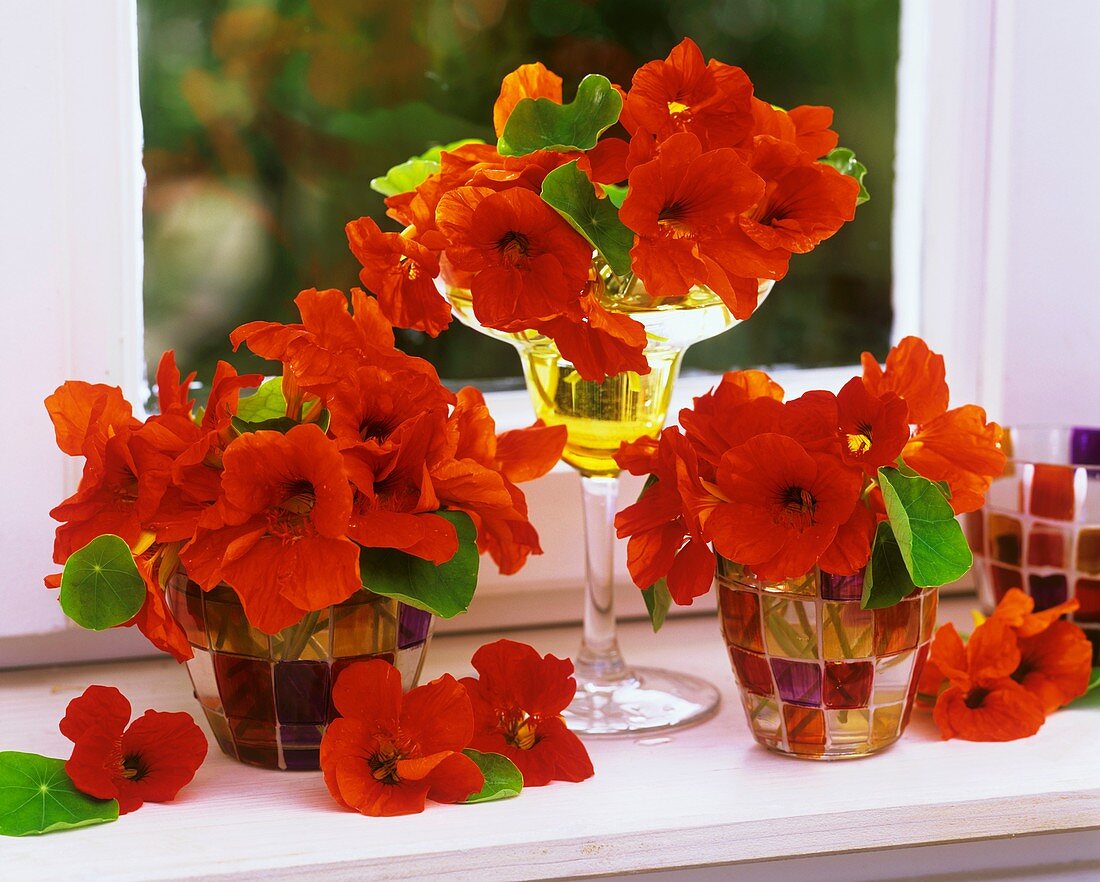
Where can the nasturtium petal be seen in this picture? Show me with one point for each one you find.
(542, 124)
(845, 162)
(100, 585)
(569, 192)
(658, 600)
(503, 779)
(886, 579)
(411, 173)
(445, 590)
(929, 537)
(37, 796)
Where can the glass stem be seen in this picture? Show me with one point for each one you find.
(599, 662)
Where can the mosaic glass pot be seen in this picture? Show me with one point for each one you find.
(1040, 527)
(819, 677)
(268, 698)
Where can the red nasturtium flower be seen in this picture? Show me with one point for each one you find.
(278, 535)
(150, 760)
(915, 373)
(387, 753)
(807, 126)
(784, 505)
(518, 700)
(873, 428)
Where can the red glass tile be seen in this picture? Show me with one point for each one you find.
(1052, 492)
(246, 687)
(752, 671)
(740, 612)
(185, 601)
(805, 729)
(848, 684)
(929, 605)
(1088, 551)
(974, 528)
(1046, 547)
(1003, 579)
(1088, 595)
(897, 627)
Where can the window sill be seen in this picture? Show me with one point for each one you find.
(699, 798)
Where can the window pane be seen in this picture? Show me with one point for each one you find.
(265, 121)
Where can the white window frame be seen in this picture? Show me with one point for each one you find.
(71, 70)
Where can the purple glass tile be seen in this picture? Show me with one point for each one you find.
(302, 760)
(1084, 446)
(301, 747)
(798, 682)
(412, 626)
(301, 691)
(1048, 591)
(841, 587)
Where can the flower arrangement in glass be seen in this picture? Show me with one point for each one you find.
(601, 255)
(271, 540)
(830, 521)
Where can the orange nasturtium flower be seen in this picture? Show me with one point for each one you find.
(873, 428)
(982, 701)
(526, 81)
(518, 700)
(806, 126)
(387, 753)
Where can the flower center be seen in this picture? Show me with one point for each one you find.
(514, 247)
(860, 442)
(521, 732)
(975, 697)
(287, 519)
(133, 768)
(672, 223)
(383, 764)
(675, 108)
(411, 268)
(797, 506)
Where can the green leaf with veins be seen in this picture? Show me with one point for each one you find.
(37, 796)
(503, 779)
(569, 192)
(542, 124)
(445, 590)
(100, 585)
(266, 403)
(886, 579)
(930, 540)
(845, 162)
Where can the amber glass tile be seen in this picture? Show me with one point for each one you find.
(308, 640)
(805, 729)
(740, 611)
(1006, 539)
(1047, 546)
(1052, 492)
(763, 715)
(1088, 595)
(929, 604)
(201, 670)
(848, 684)
(220, 727)
(892, 677)
(973, 523)
(790, 628)
(846, 630)
(256, 742)
(753, 672)
(1088, 551)
(885, 724)
(897, 627)
(365, 628)
(185, 600)
(803, 585)
(230, 632)
(848, 728)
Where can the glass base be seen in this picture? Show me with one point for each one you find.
(646, 700)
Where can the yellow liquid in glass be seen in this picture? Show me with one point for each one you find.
(627, 406)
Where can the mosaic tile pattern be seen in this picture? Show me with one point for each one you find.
(268, 698)
(1040, 528)
(819, 676)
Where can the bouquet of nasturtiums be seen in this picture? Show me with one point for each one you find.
(356, 467)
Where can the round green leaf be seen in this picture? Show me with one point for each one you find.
(266, 403)
(503, 779)
(411, 173)
(568, 190)
(101, 586)
(445, 590)
(845, 162)
(37, 796)
(542, 124)
(886, 579)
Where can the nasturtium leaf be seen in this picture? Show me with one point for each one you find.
(1091, 698)
(845, 162)
(569, 192)
(100, 585)
(503, 779)
(411, 173)
(445, 590)
(281, 424)
(931, 541)
(945, 488)
(658, 600)
(542, 124)
(266, 403)
(37, 796)
(617, 194)
(886, 580)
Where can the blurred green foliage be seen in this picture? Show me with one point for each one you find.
(266, 119)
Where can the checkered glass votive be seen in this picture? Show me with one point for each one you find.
(820, 677)
(1040, 527)
(268, 698)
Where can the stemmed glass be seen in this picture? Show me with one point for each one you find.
(614, 698)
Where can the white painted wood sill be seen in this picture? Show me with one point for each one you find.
(690, 805)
